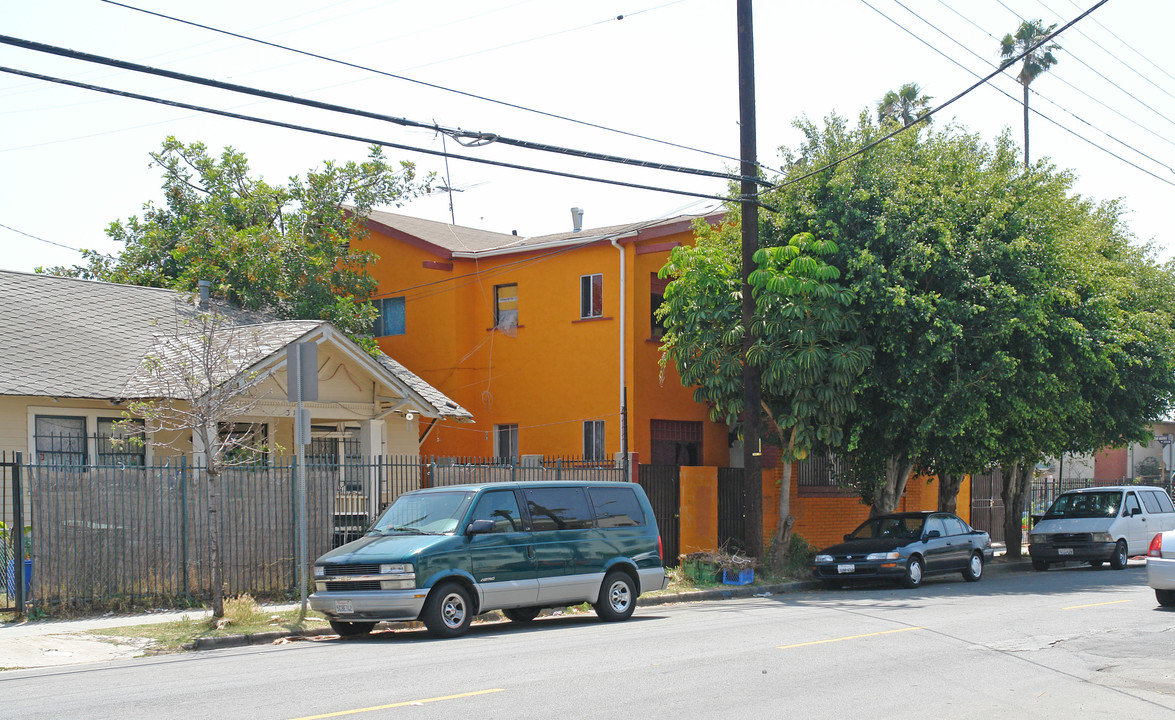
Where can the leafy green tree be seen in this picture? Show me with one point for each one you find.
(285, 249)
(1035, 63)
(904, 106)
(1007, 316)
(806, 344)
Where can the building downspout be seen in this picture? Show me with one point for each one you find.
(623, 356)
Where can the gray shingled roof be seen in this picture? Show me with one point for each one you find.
(459, 239)
(64, 337)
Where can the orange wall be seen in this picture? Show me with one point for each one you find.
(823, 519)
(558, 370)
(699, 510)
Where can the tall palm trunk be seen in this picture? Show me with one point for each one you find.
(1025, 126)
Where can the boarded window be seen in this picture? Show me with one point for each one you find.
(506, 308)
(391, 317)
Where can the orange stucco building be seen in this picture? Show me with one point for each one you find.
(549, 341)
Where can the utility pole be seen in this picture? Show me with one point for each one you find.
(752, 449)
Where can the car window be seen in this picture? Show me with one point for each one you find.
(616, 507)
(562, 508)
(1164, 502)
(1150, 500)
(955, 526)
(934, 523)
(500, 507)
(1131, 505)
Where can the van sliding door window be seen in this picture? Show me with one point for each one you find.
(616, 507)
(558, 509)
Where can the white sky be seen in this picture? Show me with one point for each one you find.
(72, 161)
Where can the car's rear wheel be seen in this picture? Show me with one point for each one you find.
(914, 571)
(448, 611)
(351, 629)
(974, 568)
(1166, 598)
(521, 615)
(1118, 559)
(1039, 565)
(617, 598)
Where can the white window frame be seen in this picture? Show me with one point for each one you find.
(593, 440)
(588, 296)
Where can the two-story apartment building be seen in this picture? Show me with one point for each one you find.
(550, 341)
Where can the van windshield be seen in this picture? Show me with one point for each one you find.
(1086, 505)
(425, 513)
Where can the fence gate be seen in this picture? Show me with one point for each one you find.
(662, 483)
(15, 568)
(987, 507)
(731, 509)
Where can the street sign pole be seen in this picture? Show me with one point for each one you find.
(302, 378)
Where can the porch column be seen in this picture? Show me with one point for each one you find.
(371, 447)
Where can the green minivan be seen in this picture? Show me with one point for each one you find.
(445, 554)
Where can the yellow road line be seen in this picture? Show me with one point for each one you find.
(850, 637)
(399, 704)
(1112, 602)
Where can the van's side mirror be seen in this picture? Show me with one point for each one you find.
(1135, 511)
(479, 527)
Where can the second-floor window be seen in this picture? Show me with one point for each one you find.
(656, 297)
(591, 296)
(390, 320)
(505, 442)
(506, 307)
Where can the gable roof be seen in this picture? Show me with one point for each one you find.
(65, 337)
(449, 241)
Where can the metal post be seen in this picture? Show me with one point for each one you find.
(18, 551)
(301, 481)
(184, 524)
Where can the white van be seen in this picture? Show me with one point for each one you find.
(1100, 524)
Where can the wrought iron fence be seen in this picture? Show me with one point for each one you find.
(107, 536)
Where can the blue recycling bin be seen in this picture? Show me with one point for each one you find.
(10, 579)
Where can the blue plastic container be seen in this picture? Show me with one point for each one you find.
(742, 577)
(10, 579)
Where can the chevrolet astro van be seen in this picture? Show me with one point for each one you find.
(1100, 524)
(443, 555)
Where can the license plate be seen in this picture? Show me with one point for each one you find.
(846, 568)
(1064, 551)
(344, 606)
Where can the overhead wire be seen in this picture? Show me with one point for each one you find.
(1132, 48)
(51, 242)
(1058, 77)
(346, 136)
(435, 86)
(1098, 72)
(928, 114)
(471, 139)
(1071, 114)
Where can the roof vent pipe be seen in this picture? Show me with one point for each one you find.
(576, 219)
(205, 286)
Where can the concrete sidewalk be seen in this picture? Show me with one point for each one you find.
(53, 643)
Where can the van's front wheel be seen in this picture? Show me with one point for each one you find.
(1118, 559)
(448, 611)
(617, 597)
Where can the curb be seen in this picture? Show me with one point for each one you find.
(710, 594)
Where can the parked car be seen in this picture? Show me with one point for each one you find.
(1100, 524)
(443, 555)
(906, 547)
(1160, 567)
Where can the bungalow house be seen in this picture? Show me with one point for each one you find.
(73, 355)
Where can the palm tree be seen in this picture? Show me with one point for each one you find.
(1036, 63)
(904, 106)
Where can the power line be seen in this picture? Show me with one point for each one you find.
(1136, 52)
(357, 138)
(1080, 119)
(465, 138)
(1060, 78)
(50, 242)
(1098, 73)
(434, 86)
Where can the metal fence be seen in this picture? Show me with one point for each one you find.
(104, 537)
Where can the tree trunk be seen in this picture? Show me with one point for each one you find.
(780, 554)
(1025, 125)
(1016, 482)
(897, 474)
(948, 491)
